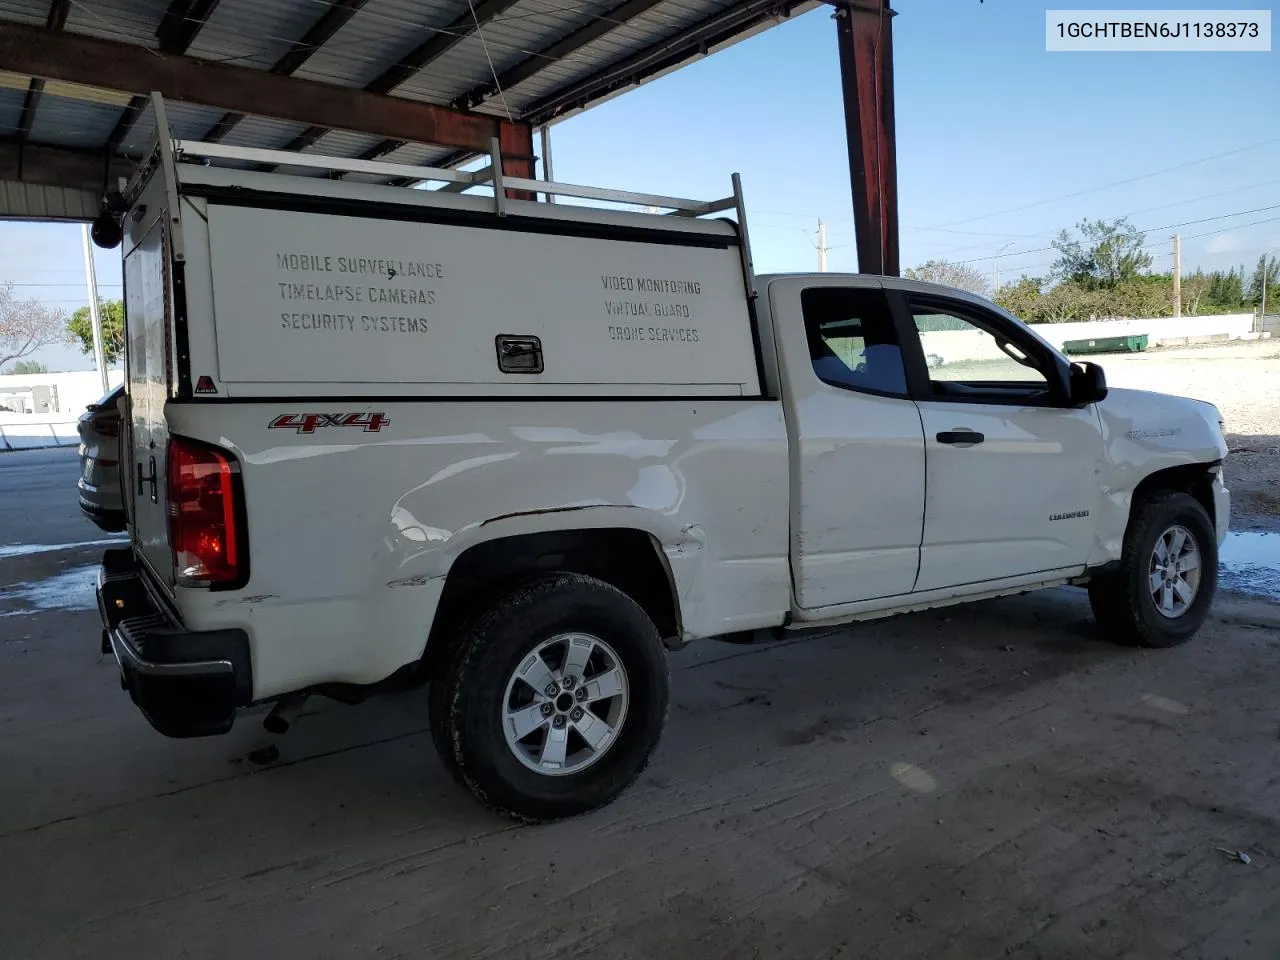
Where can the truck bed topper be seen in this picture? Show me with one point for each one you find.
(292, 284)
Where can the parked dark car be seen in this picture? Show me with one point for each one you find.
(99, 485)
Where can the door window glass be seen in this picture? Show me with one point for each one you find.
(852, 343)
(962, 352)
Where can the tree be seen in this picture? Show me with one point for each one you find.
(28, 367)
(80, 326)
(1267, 271)
(1104, 255)
(1064, 303)
(950, 274)
(26, 325)
(1021, 298)
(1226, 290)
(1194, 288)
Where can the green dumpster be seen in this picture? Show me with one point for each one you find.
(1135, 343)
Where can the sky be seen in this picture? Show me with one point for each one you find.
(1000, 145)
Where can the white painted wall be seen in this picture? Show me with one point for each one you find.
(56, 428)
(75, 390)
(954, 345)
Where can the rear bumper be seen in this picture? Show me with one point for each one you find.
(186, 683)
(107, 520)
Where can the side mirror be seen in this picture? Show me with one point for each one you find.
(1088, 383)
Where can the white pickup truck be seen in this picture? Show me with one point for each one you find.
(520, 449)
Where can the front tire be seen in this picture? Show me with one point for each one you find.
(1168, 574)
(553, 699)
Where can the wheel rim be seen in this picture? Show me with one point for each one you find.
(1174, 574)
(565, 704)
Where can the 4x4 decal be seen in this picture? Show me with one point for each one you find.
(310, 422)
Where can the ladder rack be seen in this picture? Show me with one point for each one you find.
(454, 181)
(170, 152)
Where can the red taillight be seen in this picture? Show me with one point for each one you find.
(202, 514)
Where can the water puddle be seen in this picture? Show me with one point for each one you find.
(71, 589)
(1249, 562)
(31, 549)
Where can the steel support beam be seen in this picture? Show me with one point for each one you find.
(515, 141)
(59, 166)
(36, 52)
(56, 20)
(865, 34)
(182, 22)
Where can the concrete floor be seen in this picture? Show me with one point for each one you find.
(978, 782)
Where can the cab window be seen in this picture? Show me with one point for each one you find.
(852, 342)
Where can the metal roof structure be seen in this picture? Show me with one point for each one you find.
(426, 82)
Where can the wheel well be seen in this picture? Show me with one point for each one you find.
(1195, 479)
(630, 560)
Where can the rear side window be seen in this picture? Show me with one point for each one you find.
(852, 341)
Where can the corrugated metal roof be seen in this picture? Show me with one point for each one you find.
(377, 37)
(35, 12)
(39, 201)
(254, 33)
(185, 122)
(10, 111)
(73, 123)
(663, 22)
(343, 143)
(129, 21)
(519, 33)
(261, 132)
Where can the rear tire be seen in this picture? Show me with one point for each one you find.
(1168, 574)
(579, 745)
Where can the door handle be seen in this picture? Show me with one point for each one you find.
(961, 438)
(148, 479)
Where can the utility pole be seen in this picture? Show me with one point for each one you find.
(822, 247)
(995, 268)
(99, 355)
(1177, 275)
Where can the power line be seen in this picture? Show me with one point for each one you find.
(33, 283)
(1167, 226)
(1116, 183)
(1131, 213)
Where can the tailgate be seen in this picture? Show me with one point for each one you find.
(149, 326)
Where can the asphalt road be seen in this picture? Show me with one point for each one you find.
(38, 494)
(983, 781)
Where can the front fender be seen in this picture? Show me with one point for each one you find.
(1142, 434)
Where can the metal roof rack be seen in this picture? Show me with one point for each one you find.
(169, 151)
(454, 181)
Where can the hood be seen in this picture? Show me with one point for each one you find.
(1162, 427)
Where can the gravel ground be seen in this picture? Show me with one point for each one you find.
(1243, 381)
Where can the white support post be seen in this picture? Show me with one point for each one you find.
(95, 318)
(547, 172)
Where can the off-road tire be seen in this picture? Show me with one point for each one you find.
(1122, 602)
(467, 696)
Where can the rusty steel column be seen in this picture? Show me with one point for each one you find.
(516, 143)
(865, 32)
